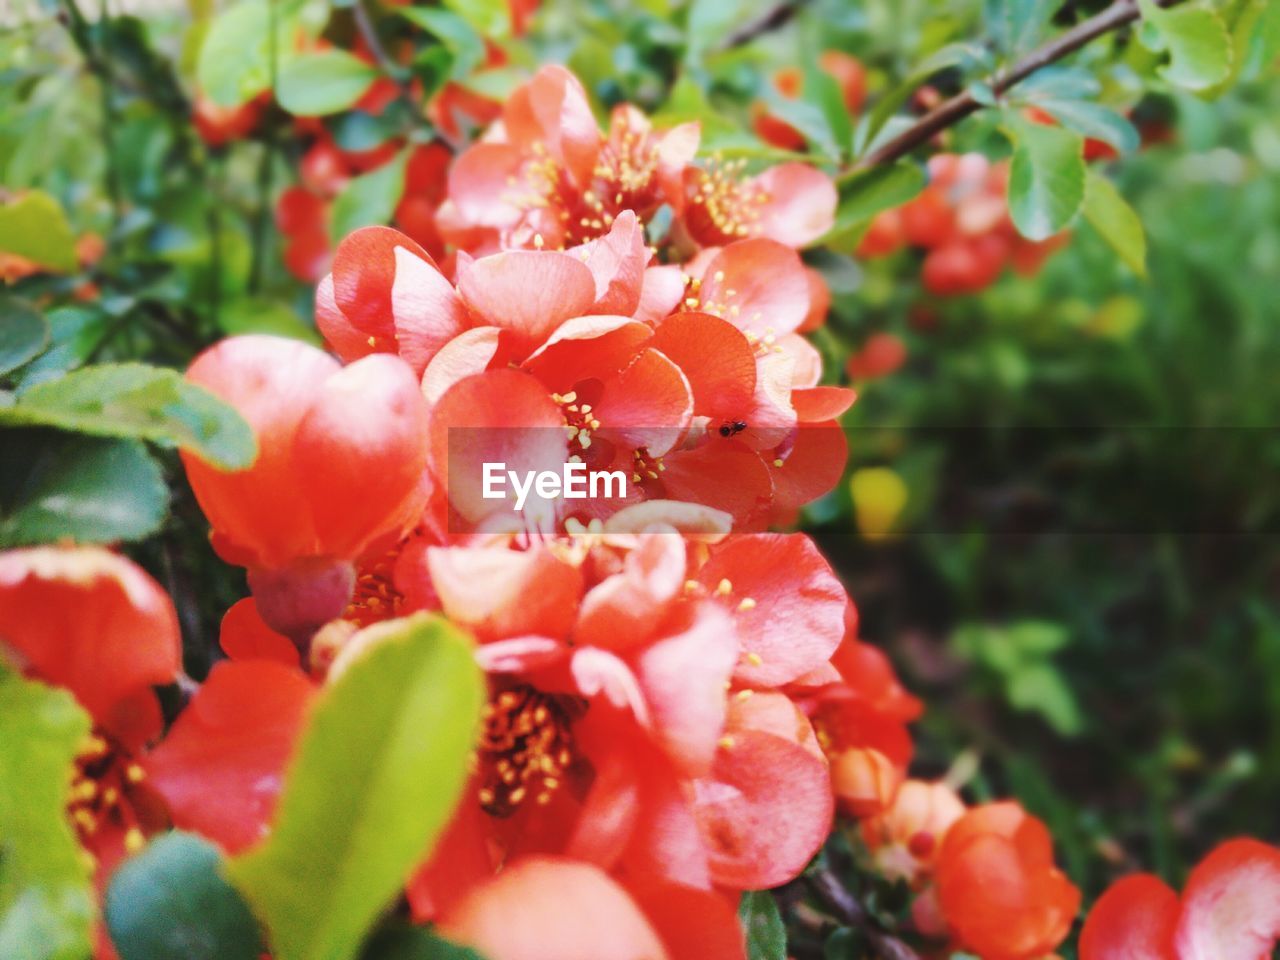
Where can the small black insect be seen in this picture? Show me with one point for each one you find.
(732, 427)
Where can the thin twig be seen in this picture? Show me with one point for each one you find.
(772, 19)
(846, 908)
(950, 112)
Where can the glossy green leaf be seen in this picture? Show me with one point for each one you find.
(967, 57)
(489, 18)
(822, 90)
(1116, 221)
(413, 943)
(1018, 25)
(460, 37)
(86, 489)
(235, 62)
(323, 82)
(868, 192)
(1093, 120)
(375, 779)
(1196, 39)
(762, 926)
(35, 226)
(74, 333)
(24, 333)
(137, 400)
(46, 898)
(368, 199)
(1046, 177)
(170, 902)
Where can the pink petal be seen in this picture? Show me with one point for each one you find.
(625, 607)
(661, 292)
(428, 311)
(801, 204)
(527, 292)
(797, 618)
(617, 261)
(685, 680)
(502, 594)
(1231, 904)
(758, 285)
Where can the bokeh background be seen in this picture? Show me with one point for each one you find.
(1062, 514)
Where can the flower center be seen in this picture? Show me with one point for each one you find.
(526, 748)
(726, 201)
(102, 785)
(375, 597)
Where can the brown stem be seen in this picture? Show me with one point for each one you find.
(951, 111)
(846, 908)
(776, 16)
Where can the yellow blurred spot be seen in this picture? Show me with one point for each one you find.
(878, 498)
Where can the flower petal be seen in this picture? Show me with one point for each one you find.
(1231, 904)
(715, 357)
(527, 292)
(1134, 920)
(758, 285)
(788, 605)
(506, 593)
(244, 636)
(221, 765)
(801, 205)
(89, 620)
(545, 908)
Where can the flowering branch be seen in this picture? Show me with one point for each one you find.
(846, 908)
(950, 112)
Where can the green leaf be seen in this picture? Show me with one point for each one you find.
(85, 489)
(1116, 222)
(264, 315)
(234, 65)
(1196, 39)
(413, 943)
(1038, 687)
(34, 226)
(137, 400)
(822, 90)
(323, 82)
(374, 781)
(1018, 25)
(1046, 177)
(458, 36)
(46, 898)
(489, 18)
(1093, 120)
(75, 332)
(762, 926)
(170, 902)
(24, 333)
(368, 199)
(868, 192)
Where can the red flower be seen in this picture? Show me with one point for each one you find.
(1000, 893)
(91, 621)
(550, 908)
(1230, 907)
(635, 720)
(906, 837)
(341, 461)
(792, 203)
(861, 712)
(547, 175)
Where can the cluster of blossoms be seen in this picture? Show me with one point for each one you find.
(679, 704)
(962, 220)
